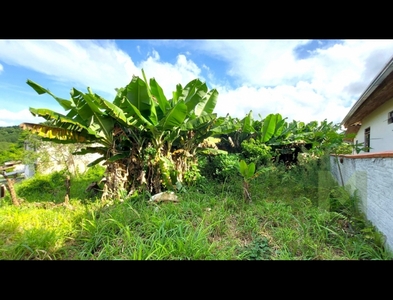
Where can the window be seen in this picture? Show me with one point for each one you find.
(390, 117)
(367, 139)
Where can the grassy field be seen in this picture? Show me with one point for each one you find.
(295, 214)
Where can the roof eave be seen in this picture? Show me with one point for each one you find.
(370, 89)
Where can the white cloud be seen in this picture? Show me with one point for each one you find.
(322, 86)
(268, 75)
(258, 62)
(9, 118)
(169, 75)
(99, 65)
(300, 103)
(263, 63)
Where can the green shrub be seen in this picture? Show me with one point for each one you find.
(258, 153)
(258, 249)
(93, 173)
(219, 167)
(49, 187)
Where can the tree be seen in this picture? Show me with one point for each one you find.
(145, 140)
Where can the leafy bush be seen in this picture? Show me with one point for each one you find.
(9, 152)
(256, 152)
(43, 187)
(344, 148)
(192, 175)
(94, 173)
(258, 249)
(219, 167)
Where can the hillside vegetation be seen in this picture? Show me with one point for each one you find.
(11, 143)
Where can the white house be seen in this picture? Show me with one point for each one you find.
(369, 173)
(371, 117)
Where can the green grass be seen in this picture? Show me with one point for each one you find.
(295, 214)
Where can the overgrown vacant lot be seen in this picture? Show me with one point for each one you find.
(295, 214)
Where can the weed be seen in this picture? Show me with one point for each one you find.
(258, 249)
(285, 221)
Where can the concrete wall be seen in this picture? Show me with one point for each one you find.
(57, 158)
(61, 161)
(370, 176)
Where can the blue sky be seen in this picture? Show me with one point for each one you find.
(303, 80)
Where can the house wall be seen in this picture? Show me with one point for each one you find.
(370, 176)
(381, 133)
(58, 159)
(74, 163)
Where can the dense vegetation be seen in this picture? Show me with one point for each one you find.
(10, 134)
(243, 188)
(295, 215)
(149, 142)
(11, 143)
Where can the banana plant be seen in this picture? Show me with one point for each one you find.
(85, 122)
(247, 171)
(272, 127)
(174, 127)
(145, 139)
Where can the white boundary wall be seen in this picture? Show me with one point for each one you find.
(371, 178)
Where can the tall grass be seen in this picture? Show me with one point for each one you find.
(298, 213)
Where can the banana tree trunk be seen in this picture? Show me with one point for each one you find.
(10, 187)
(116, 181)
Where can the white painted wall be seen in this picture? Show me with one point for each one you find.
(381, 133)
(372, 180)
(59, 160)
(78, 163)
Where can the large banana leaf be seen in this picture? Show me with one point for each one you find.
(158, 94)
(197, 123)
(114, 111)
(288, 130)
(85, 114)
(58, 135)
(270, 125)
(191, 89)
(153, 101)
(207, 103)
(176, 95)
(61, 121)
(103, 125)
(247, 123)
(124, 104)
(225, 125)
(141, 119)
(66, 104)
(88, 108)
(279, 125)
(193, 93)
(117, 113)
(94, 102)
(175, 117)
(138, 95)
(82, 108)
(200, 128)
